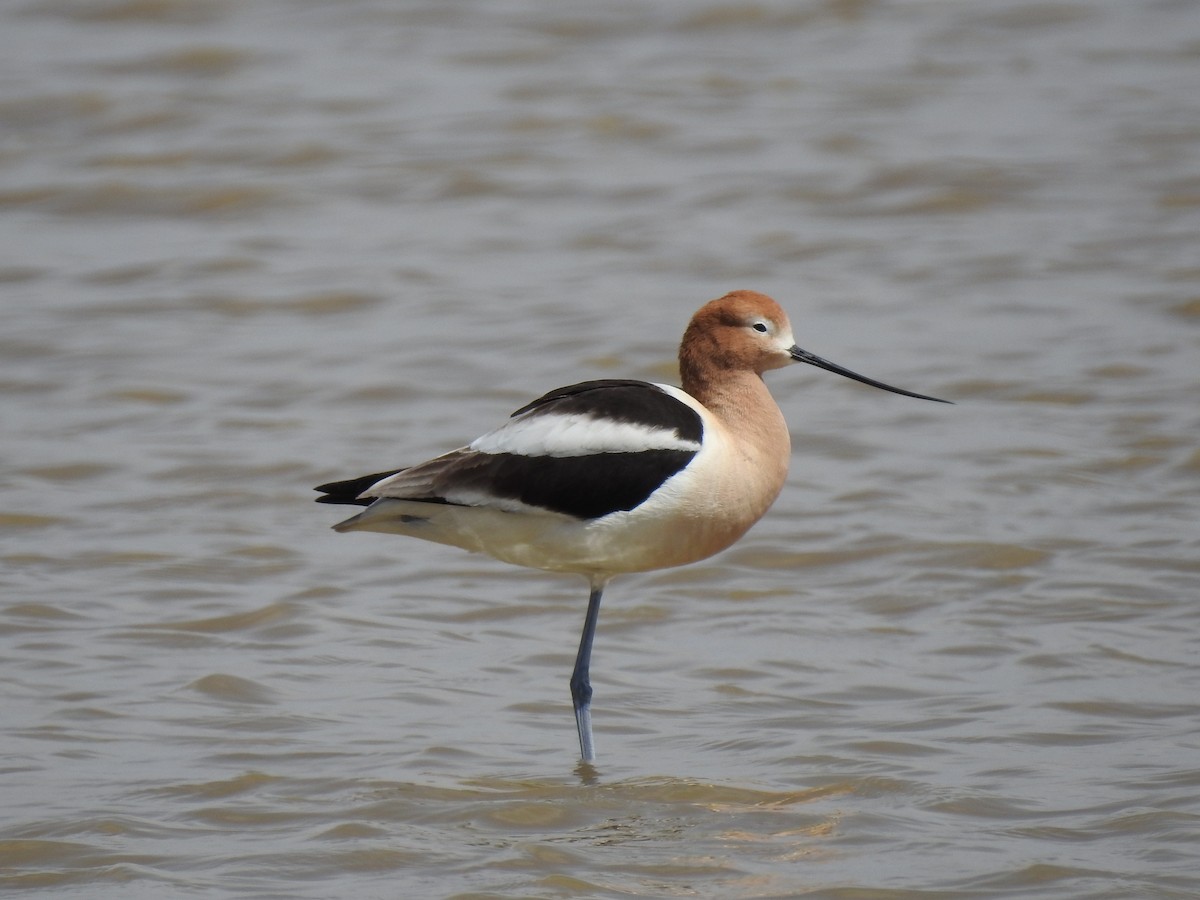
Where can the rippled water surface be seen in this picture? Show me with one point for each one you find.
(249, 247)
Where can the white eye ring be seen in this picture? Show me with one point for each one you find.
(760, 327)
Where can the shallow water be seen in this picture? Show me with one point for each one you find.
(248, 248)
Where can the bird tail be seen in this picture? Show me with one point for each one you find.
(350, 492)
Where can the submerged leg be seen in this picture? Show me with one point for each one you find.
(581, 687)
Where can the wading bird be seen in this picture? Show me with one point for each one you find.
(606, 477)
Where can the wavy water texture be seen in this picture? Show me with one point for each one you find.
(254, 247)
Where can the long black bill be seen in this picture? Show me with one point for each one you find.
(813, 360)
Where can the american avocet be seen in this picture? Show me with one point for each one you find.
(613, 476)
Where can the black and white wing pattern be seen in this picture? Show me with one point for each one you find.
(584, 451)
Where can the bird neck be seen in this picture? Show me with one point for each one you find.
(742, 403)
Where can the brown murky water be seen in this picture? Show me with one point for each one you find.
(249, 247)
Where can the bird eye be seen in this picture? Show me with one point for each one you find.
(760, 327)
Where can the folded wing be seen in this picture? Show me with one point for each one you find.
(584, 451)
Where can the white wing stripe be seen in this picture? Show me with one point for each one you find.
(577, 435)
